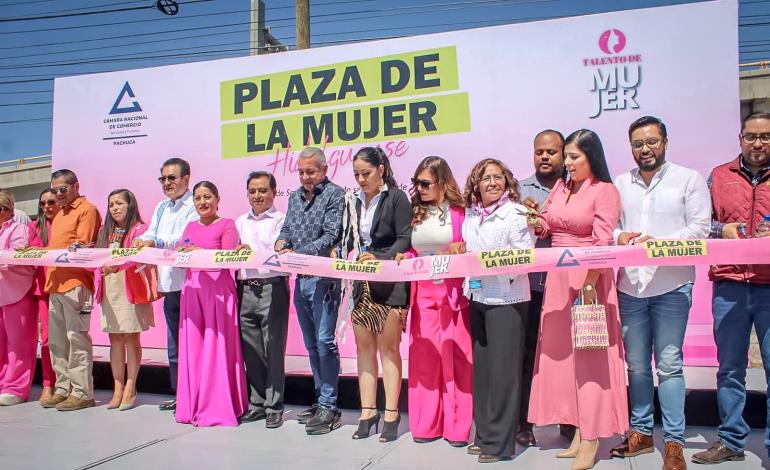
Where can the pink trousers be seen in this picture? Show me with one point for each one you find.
(440, 365)
(49, 376)
(18, 346)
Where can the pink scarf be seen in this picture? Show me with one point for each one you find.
(484, 212)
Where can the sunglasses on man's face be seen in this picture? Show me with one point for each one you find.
(60, 190)
(423, 184)
(169, 178)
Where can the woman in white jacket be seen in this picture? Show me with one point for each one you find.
(495, 220)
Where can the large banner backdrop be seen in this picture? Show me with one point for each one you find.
(462, 95)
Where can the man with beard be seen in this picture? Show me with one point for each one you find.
(549, 168)
(741, 193)
(667, 201)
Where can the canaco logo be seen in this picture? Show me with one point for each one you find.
(132, 108)
(617, 46)
(126, 122)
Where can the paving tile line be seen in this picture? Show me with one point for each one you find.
(153, 442)
(372, 461)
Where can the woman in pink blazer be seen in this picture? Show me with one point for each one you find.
(39, 232)
(440, 349)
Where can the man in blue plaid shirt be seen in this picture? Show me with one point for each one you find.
(313, 226)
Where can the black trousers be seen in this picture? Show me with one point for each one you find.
(497, 332)
(171, 301)
(530, 350)
(264, 321)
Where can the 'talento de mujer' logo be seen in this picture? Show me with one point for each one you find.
(616, 78)
(617, 46)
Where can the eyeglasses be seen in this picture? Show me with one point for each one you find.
(751, 138)
(496, 178)
(47, 203)
(169, 178)
(423, 184)
(60, 190)
(651, 143)
(3, 209)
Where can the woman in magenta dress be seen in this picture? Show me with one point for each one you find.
(39, 231)
(585, 388)
(211, 388)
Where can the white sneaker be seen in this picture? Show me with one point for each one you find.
(9, 399)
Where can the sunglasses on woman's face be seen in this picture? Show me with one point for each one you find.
(3, 209)
(423, 184)
(48, 203)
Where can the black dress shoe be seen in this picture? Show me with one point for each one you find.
(457, 443)
(168, 405)
(274, 420)
(425, 440)
(305, 415)
(324, 422)
(486, 458)
(254, 414)
(526, 438)
(568, 431)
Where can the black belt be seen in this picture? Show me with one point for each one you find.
(262, 282)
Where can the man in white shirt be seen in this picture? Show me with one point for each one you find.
(664, 201)
(169, 220)
(263, 297)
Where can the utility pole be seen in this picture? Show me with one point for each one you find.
(261, 41)
(303, 24)
(257, 27)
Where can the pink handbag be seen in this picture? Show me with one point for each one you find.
(589, 325)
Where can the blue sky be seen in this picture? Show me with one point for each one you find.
(32, 52)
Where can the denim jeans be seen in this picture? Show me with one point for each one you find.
(656, 324)
(171, 302)
(736, 305)
(317, 301)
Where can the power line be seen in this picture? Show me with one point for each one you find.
(25, 3)
(33, 103)
(17, 121)
(169, 31)
(86, 8)
(25, 92)
(124, 44)
(89, 13)
(427, 8)
(96, 59)
(47, 78)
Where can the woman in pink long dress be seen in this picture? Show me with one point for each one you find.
(211, 389)
(585, 388)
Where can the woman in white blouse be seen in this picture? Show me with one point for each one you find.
(495, 220)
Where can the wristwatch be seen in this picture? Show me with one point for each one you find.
(588, 287)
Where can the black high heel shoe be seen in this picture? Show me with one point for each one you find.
(365, 425)
(390, 428)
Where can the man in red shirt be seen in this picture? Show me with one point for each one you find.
(740, 194)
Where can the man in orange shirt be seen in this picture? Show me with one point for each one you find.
(71, 297)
